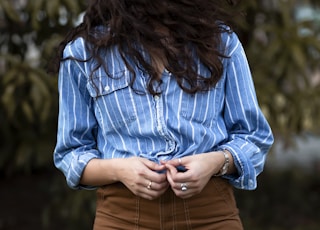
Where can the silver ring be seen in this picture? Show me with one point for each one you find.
(184, 187)
(149, 185)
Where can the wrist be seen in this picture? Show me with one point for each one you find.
(226, 164)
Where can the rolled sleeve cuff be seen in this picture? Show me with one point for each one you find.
(246, 177)
(76, 169)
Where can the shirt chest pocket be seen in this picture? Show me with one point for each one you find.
(114, 100)
(203, 107)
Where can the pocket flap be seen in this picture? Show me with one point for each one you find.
(104, 84)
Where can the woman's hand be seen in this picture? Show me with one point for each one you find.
(199, 169)
(142, 177)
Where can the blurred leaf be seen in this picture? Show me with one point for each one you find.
(9, 10)
(73, 6)
(52, 8)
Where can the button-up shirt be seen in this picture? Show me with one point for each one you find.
(103, 117)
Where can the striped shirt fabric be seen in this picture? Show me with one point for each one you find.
(103, 117)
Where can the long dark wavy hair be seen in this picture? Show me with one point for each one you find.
(172, 31)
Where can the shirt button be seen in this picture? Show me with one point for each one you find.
(156, 98)
(107, 88)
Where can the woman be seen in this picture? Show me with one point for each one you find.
(159, 112)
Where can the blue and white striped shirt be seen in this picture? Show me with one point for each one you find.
(105, 118)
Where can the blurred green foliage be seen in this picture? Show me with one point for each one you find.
(283, 51)
(30, 31)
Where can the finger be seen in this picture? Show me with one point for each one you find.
(151, 191)
(176, 175)
(169, 178)
(153, 166)
(175, 162)
(171, 170)
(154, 171)
(158, 178)
(182, 190)
(152, 185)
(175, 185)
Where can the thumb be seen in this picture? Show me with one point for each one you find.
(172, 169)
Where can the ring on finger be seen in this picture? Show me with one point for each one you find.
(149, 185)
(184, 187)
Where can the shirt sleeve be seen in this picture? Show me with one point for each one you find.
(249, 134)
(77, 125)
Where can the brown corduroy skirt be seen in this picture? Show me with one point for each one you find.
(214, 208)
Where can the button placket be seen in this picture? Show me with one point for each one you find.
(161, 124)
